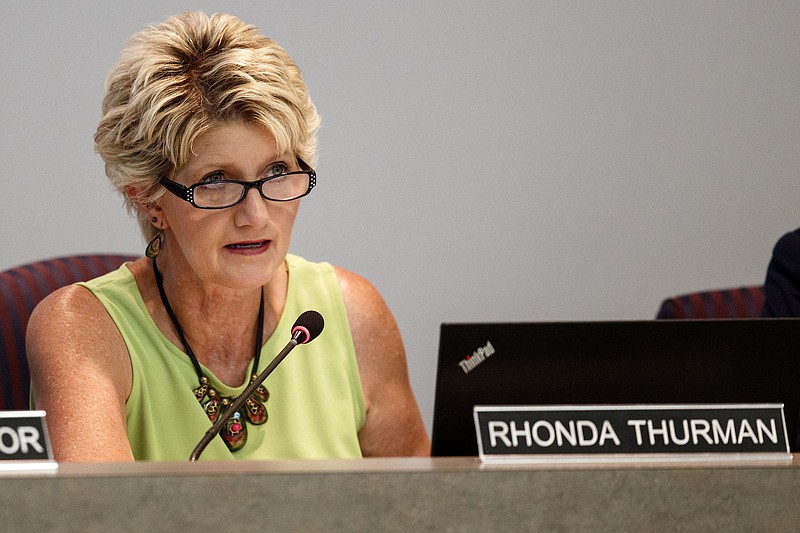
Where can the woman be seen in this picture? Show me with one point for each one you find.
(135, 365)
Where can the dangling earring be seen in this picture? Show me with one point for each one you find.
(154, 246)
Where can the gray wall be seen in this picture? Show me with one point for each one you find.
(510, 160)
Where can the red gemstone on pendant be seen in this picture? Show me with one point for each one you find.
(235, 433)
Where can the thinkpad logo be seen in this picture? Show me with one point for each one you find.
(477, 357)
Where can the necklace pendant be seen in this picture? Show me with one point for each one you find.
(255, 410)
(201, 391)
(261, 393)
(212, 409)
(234, 434)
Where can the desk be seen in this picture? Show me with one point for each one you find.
(436, 494)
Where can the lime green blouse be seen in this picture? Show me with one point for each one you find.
(316, 406)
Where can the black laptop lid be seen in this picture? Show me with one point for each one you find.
(624, 362)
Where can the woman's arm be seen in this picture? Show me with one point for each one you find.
(393, 425)
(81, 376)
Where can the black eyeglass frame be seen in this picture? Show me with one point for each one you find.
(187, 193)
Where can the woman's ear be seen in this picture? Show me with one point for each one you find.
(153, 211)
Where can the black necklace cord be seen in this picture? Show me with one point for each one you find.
(174, 319)
(259, 326)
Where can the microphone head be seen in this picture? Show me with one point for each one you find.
(307, 327)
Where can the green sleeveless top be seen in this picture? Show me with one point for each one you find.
(316, 406)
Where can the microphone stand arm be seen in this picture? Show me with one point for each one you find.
(239, 401)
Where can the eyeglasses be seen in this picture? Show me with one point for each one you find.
(221, 194)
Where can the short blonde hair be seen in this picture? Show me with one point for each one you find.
(175, 81)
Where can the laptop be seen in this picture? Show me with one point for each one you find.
(736, 361)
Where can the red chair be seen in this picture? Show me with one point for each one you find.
(740, 302)
(21, 288)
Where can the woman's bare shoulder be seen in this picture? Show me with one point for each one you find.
(73, 307)
(70, 329)
(359, 293)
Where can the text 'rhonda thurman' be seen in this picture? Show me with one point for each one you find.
(645, 432)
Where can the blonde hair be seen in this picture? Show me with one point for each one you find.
(175, 81)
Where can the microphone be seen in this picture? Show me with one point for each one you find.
(306, 328)
(310, 325)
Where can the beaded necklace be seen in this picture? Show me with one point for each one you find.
(234, 434)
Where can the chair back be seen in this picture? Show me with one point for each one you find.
(739, 302)
(21, 288)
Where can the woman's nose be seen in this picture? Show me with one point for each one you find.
(253, 210)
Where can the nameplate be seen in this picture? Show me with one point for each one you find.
(24, 443)
(630, 432)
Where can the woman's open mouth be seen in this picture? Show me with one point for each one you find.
(249, 247)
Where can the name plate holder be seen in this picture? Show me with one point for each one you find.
(24, 442)
(644, 433)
